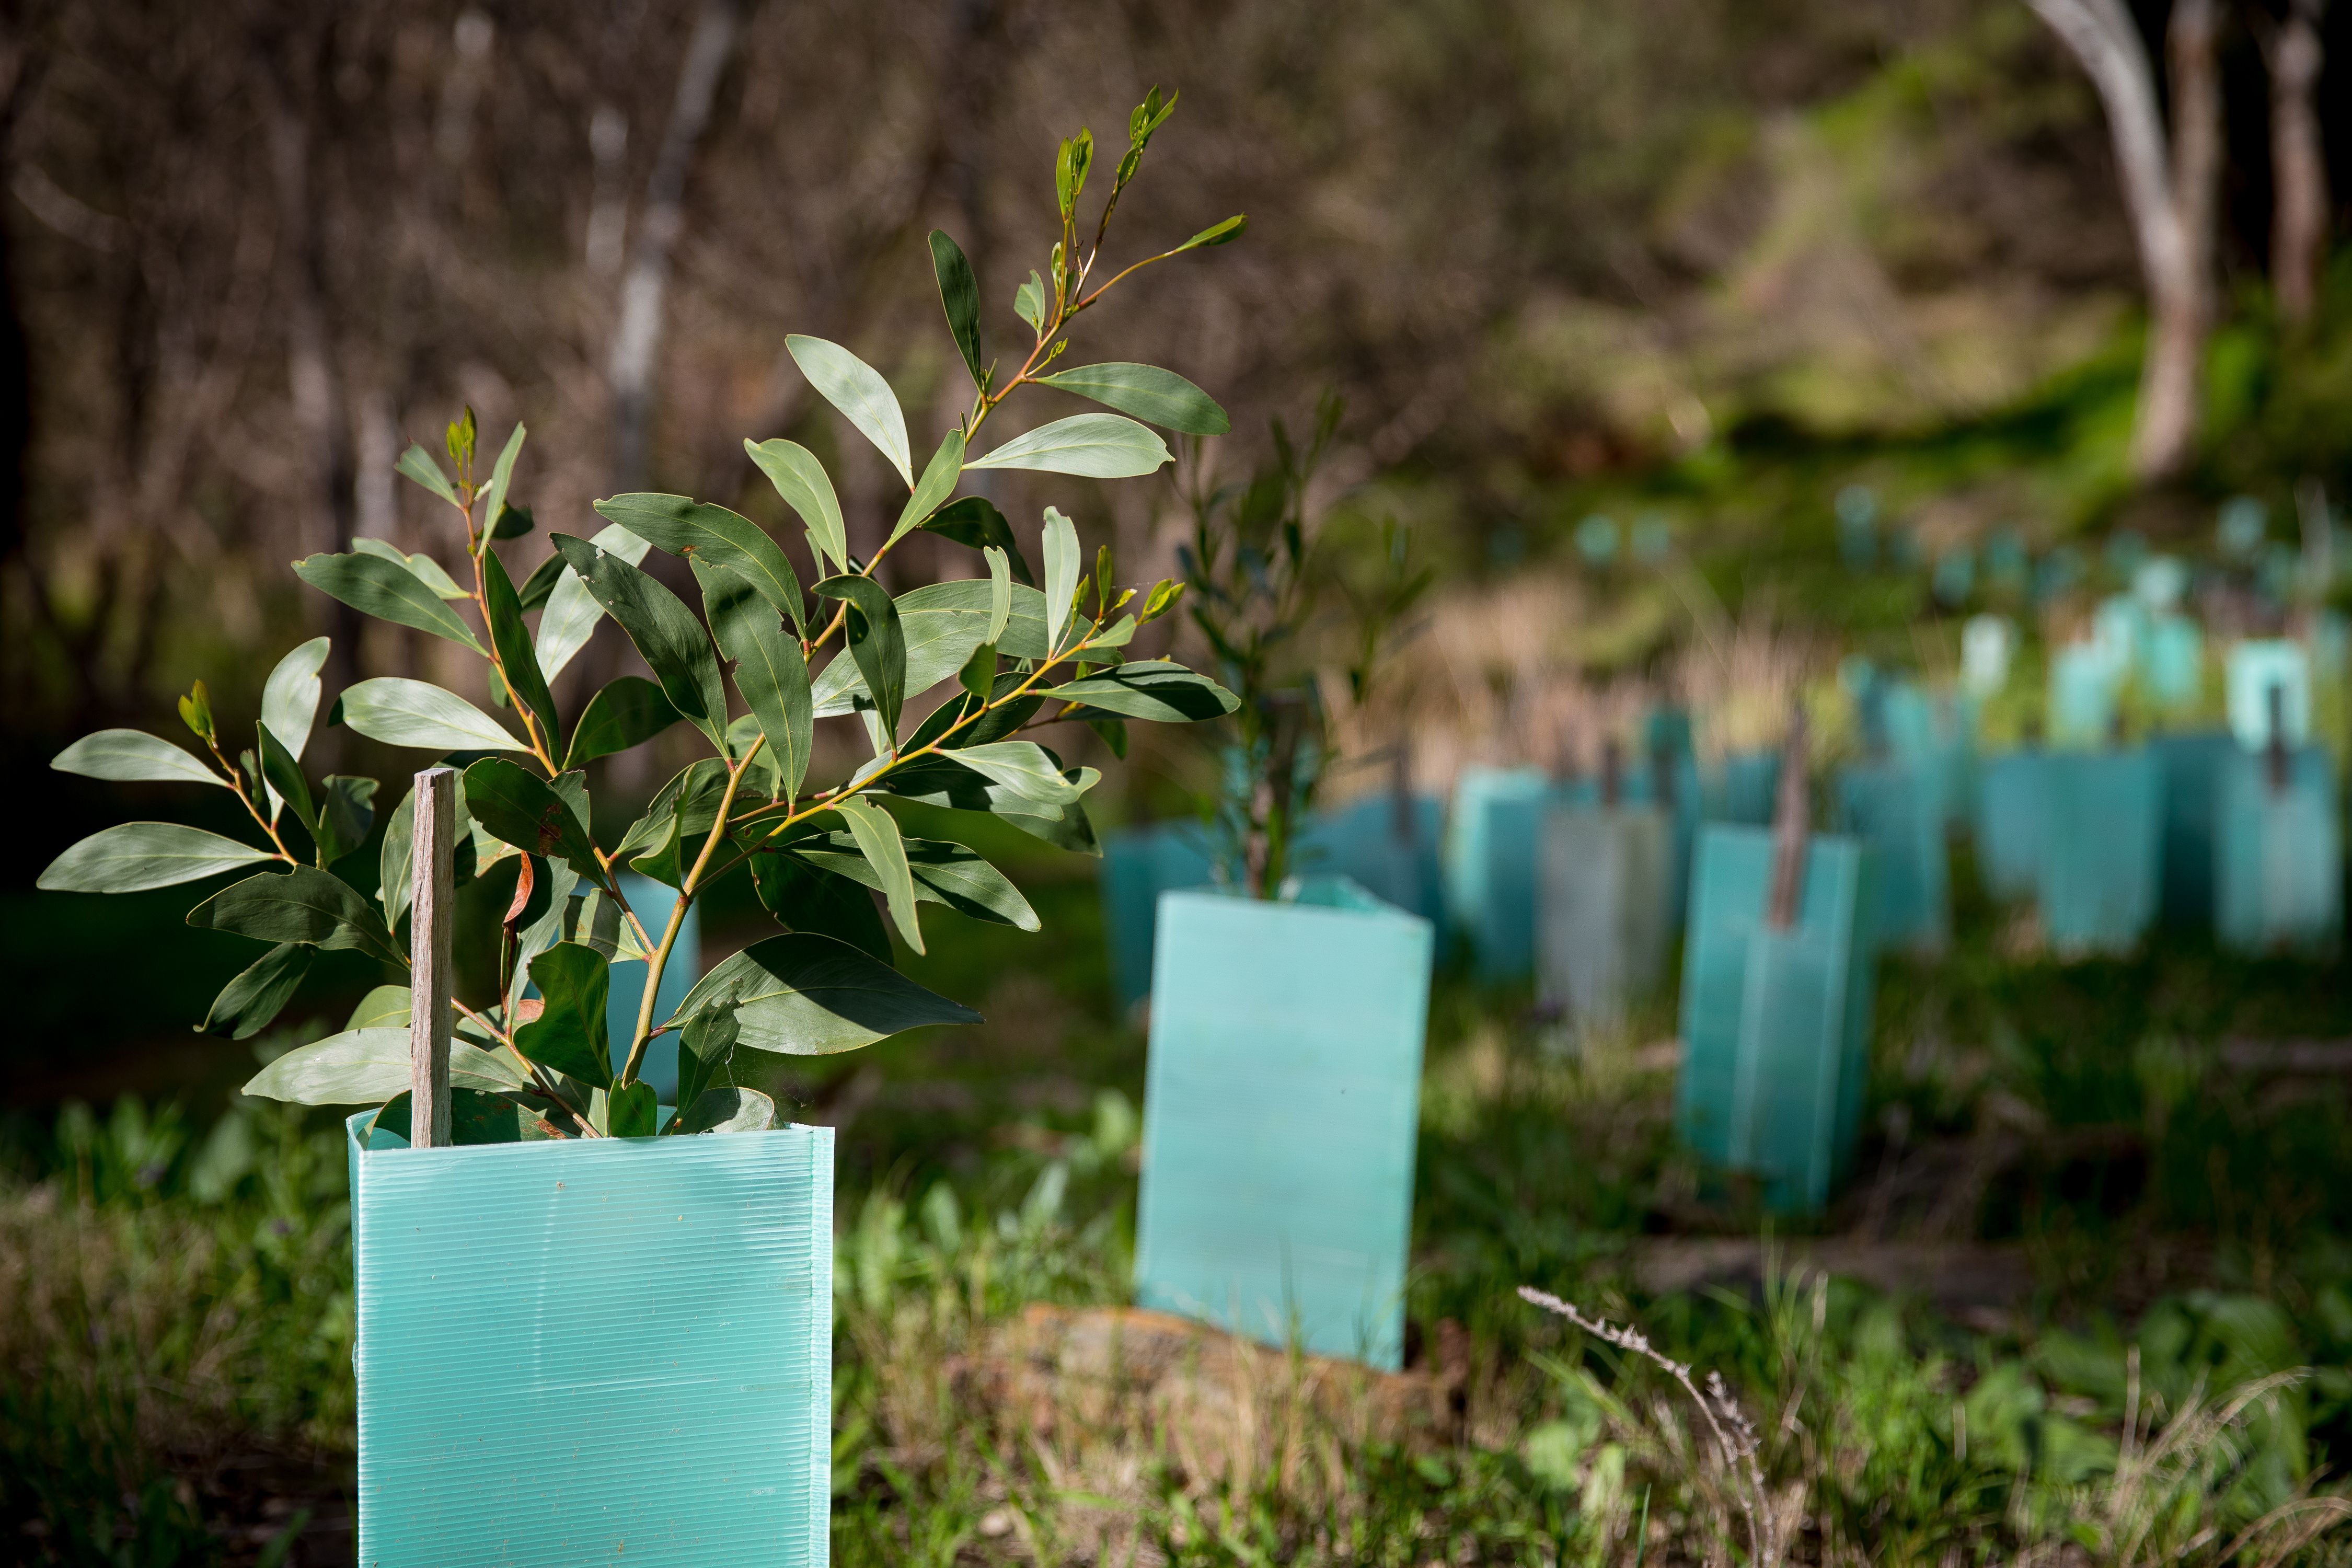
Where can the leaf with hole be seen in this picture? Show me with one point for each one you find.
(135, 857)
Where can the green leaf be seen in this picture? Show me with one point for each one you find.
(133, 756)
(573, 611)
(806, 898)
(1113, 732)
(801, 479)
(513, 523)
(284, 776)
(369, 1067)
(461, 439)
(940, 781)
(857, 389)
(877, 833)
(426, 570)
(629, 713)
(667, 633)
(807, 995)
(630, 1111)
(944, 872)
(1061, 546)
(666, 840)
(1070, 164)
(704, 532)
(248, 1004)
(1154, 395)
(196, 712)
(384, 1006)
(1023, 767)
(1093, 446)
(1215, 234)
(978, 674)
(524, 810)
(727, 1110)
(493, 498)
(517, 660)
(421, 466)
(1151, 689)
(476, 1117)
(1000, 592)
(705, 1054)
(940, 623)
(960, 296)
(939, 483)
(389, 591)
(346, 812)
(303, 904)
(290, 697)
(573, 981)
(1029, 301)
(545, 913)
(540, 585)
(403, 712)
(134, 857)
(975, 521)
(877, 642)
(769, 670)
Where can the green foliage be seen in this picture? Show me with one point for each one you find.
(816, 847)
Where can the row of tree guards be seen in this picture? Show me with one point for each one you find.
(1286, 1035)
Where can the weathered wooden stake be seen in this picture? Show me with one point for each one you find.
(1791, 819)
(432, 913)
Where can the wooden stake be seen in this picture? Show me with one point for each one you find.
(1790, 822)
(432, 912)
(2277, 747)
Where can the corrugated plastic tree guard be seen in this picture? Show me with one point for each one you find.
(1744, 787)
(1281, 1106)
(2102, 848)
(1776, 1024)
(1139, 864)
(2083, 680)
(2278, 863)
(2255, 667)
(1885, 805)
(1391, 854)
(2172, 662)
(2008, 825)
(594, 1350)
(1929, 734)
(2192, 765)
(1602, 921)
(1490, 864)
(653, 901)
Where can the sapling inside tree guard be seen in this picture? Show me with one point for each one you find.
(1018, 658)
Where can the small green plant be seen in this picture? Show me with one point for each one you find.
(1019, 657)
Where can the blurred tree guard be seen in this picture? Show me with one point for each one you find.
(1932, 736)
(2102, 849)
(2192, 765)
(1601, 909)
(437, 1247)
(1776, 1001)
(1673, 788)
(1281, 1106)
(1898, 816)
(2008, 825)
(1387, 844)
(2084, 679)
(1743, 788)
(2269, 689)
(2278, 855)
(1139, 864)
(2171, 187)
(1491, 839)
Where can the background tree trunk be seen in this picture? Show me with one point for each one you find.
(2298, 161)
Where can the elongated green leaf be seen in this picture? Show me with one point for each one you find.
(1061, 547)
(285, 778)
(1094, 445)
(808, 995)
(960, 296)
(540, 586)
(706, 1054)
(403, 712)
(133, 756)
(630, 1111)
(629, 713)
(877, 642)
(476, 1117)
(569, 1035)
(877, 833)
(346, 812)
(944, 872)
(384, 1006)
(1216, 233)
(290, 697)
(304, 904)
(666, 840)
(493, 498)
(807, 899)
(369, 1067)
(1153, 689)
(978, 674)
(1024, 767)
(974, 520)
(801, 479)
(727, 1108)
(940, 623)
(1154, 395)
(665, 632)
(702, 532)
(573, 611)
(1000, 594)
(1029, 301)
(544, 916)
(422, 467)
(939, 483)
(388, 591)
(517, 659)
(525, 811)
(248, 1004)
(769, 670)
(857, 389)
(940, 781)
(423, 568)
(134, 857)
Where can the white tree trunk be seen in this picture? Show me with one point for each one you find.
(2298, 161)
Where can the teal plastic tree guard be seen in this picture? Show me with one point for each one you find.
(1386, 845)
(1776, 1024)
(1745, 787)
(1603, 923)
(2255, 667)
(2278, 861)
(2008, 825)
(1490, 866)
(1281, 1105)
(2192, 765)
(594, 1350)
(2082, 681)
(2172, 662)
(653, 901)
(2102, 849)
(1139, 864)
(1929, 734)
(1885, 805)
